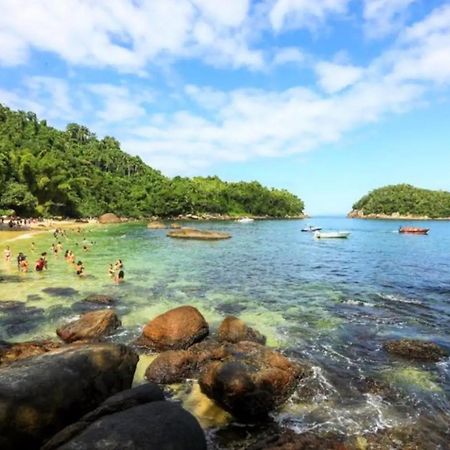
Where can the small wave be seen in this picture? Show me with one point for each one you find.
(357, 303)
(399, 299)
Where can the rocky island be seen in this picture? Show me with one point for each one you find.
(403, 202)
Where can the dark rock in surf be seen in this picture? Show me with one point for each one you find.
(90, 326)
(250, 380)
(415, 349)
(41, 395)
(233, 329)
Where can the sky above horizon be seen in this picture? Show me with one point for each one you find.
(327, 98)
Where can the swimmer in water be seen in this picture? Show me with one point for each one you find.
(79, 268)
(7, 253)
(111, 271)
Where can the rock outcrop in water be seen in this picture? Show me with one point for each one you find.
(415, 349)
(202, 235)
(250, 380)
(100, 299)
(41, 395)
(155, 225)
(90, 326)
(134, 419)
(178, 328)
(233, 329)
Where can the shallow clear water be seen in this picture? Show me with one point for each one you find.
(333, 302)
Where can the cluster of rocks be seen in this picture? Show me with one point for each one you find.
(76, 393)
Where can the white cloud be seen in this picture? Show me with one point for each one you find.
(335, 77)
(288, 55)
(304, 13)
(385, 16)
(125, 34)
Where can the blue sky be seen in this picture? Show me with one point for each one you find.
(327, 98)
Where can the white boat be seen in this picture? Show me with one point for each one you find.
(245, 220)
(331, 234)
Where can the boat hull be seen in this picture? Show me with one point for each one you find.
(332, 235)
(410, 230)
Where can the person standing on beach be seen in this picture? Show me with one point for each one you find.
(7, 253)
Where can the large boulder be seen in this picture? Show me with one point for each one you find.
(14, 351)
(415, 349)
(90, 326)
(233, 329)
(251, 380)
(129, 398)
(153, 425)
(178, 328)
(41, 395)
(203, 235)
(109, 218)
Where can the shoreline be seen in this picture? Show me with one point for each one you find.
(395, 216)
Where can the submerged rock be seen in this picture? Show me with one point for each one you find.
(109, 218)
(100, 299)
(41, 395)
(415, 349)
(91, 325)
(60, 291)
(233, 329)
(178, 328)
(250, 380)
(192, 233)
(13, 351)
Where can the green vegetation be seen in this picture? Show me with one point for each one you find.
(405, 200)
(45, 171)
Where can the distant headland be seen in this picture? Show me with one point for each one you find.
(403, 202)
(45, 172)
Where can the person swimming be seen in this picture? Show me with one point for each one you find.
(7, 253)
(119, 278)
(40, 264)
(111, 271)
(79, 268)
(23, 266)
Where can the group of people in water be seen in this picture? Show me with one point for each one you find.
(115, 271)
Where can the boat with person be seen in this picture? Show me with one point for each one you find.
(413, 230)
(331, 234)
(245, 220)
(311, 229)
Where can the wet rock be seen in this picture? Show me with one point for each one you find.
(122, 401)
(176, 329)
(233, 329)
(109, 218)
(203, 235)
(156, 226)
(19, 318)
(415, 350)
(100, 299)
(289, 440)
(41, 395)
(11, 305)
(175, 366)
(13, 351)
(250, 380)
(154, 425)
(91, 325)
(175, 226)
(60, 291)
(34, 297)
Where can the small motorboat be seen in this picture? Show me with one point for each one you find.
(311, 229)
(413, 230)
(331, 234)
(245, 220)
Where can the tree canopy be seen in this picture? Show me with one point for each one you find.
(45, 171)
(405, 200)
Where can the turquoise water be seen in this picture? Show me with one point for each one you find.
(333, 302)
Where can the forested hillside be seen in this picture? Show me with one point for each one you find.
(405, 200)
(45, 171)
